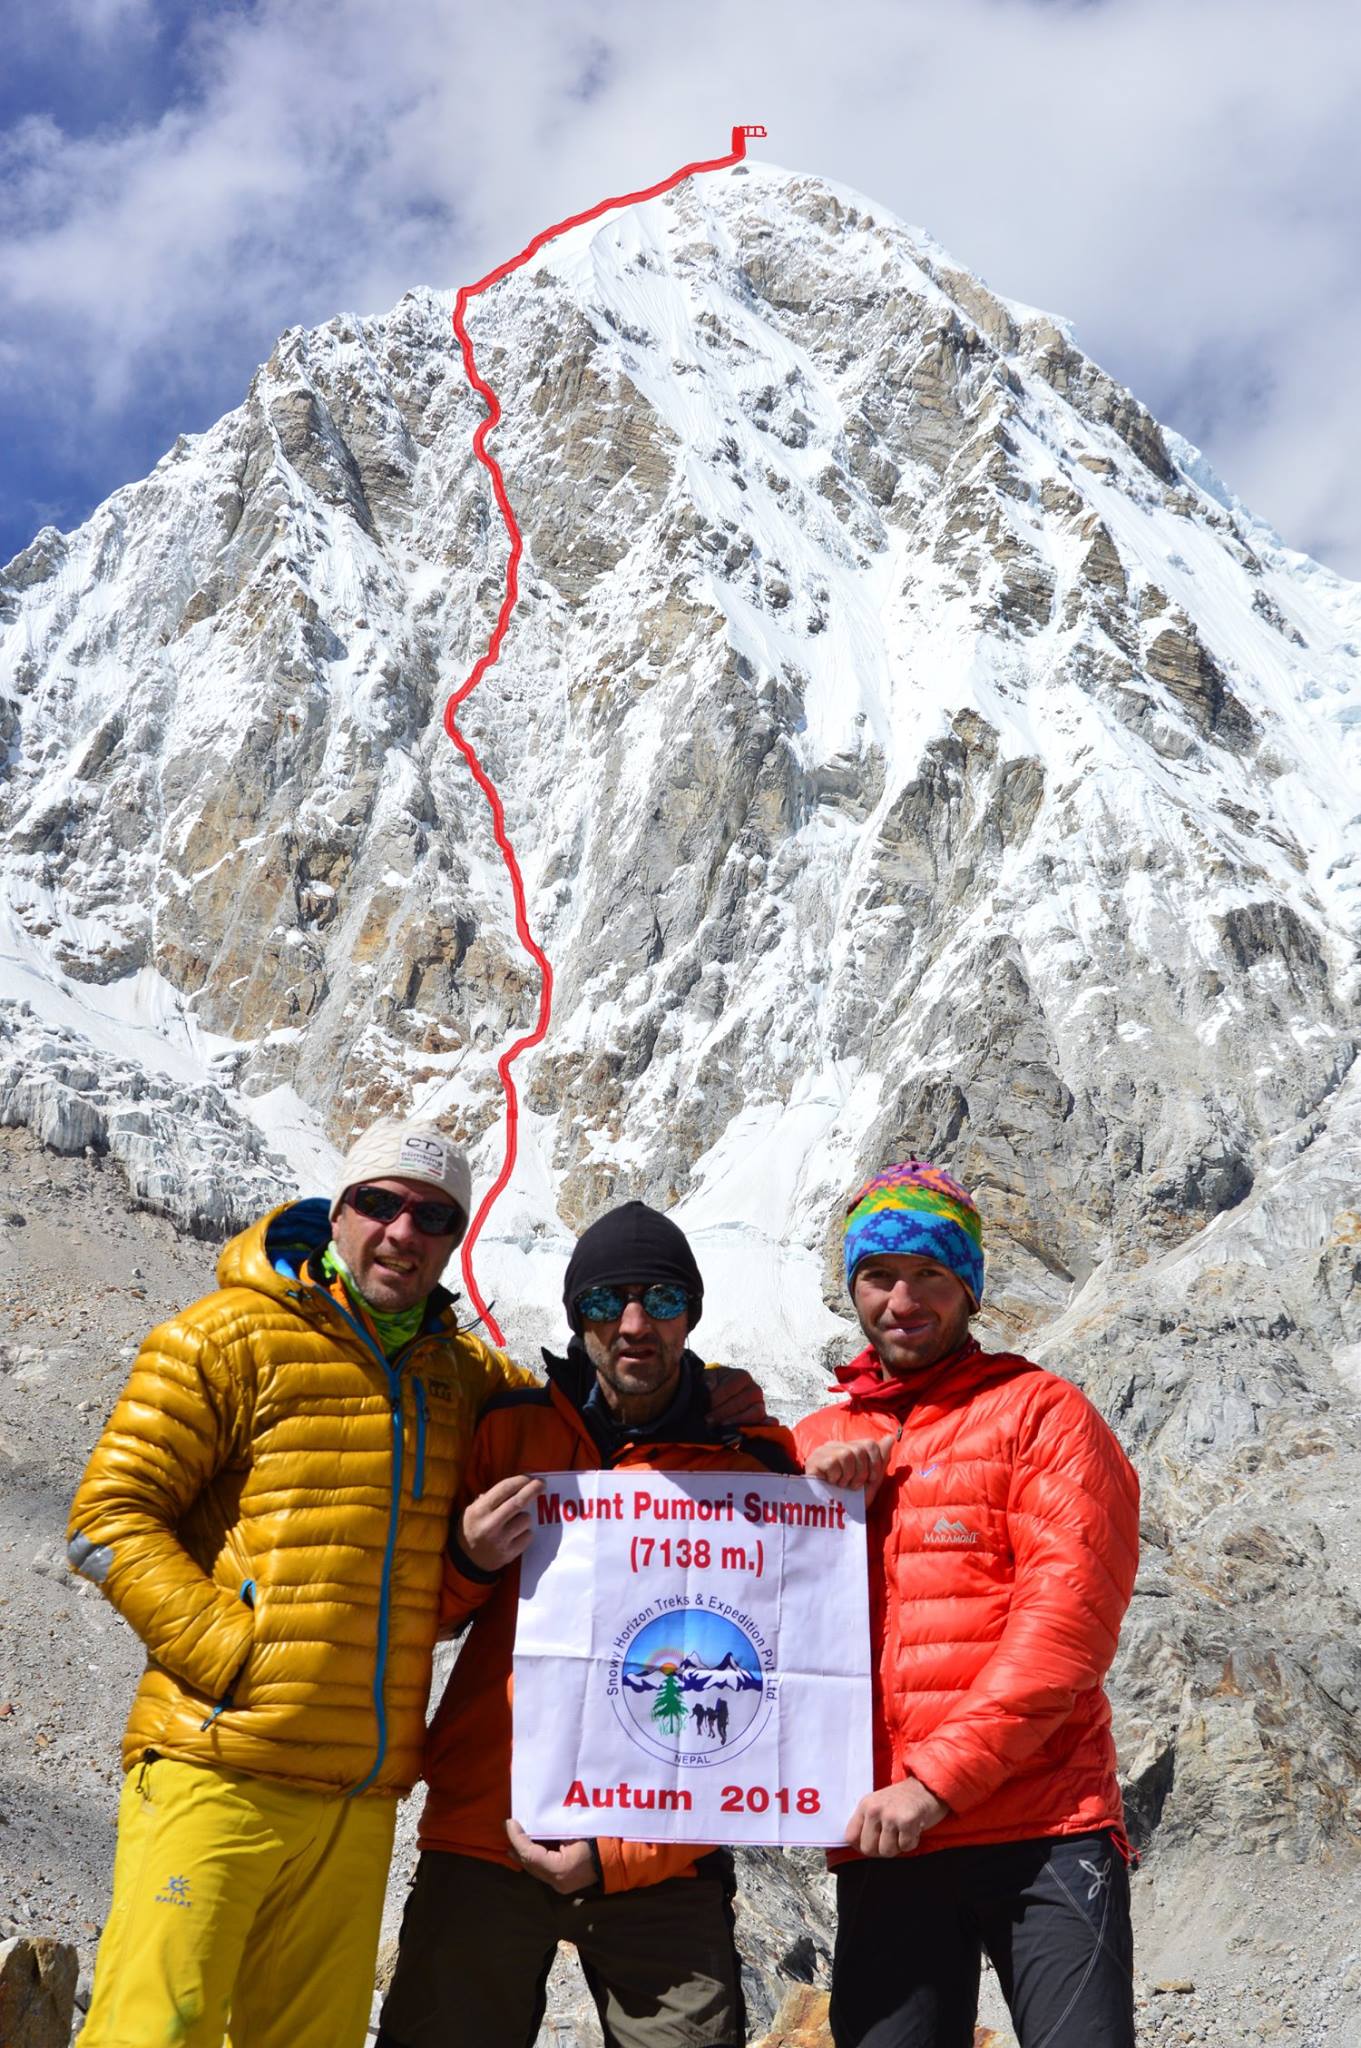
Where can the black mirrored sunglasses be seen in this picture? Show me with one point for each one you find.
(384, 1205)
(607, 1304)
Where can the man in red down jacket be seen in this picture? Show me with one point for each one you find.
(1003, 1538)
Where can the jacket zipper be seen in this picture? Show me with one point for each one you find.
(418, 1483)
(392, 1371)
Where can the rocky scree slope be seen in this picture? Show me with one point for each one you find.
(1232, 1949)
(1245, 1950)
(909, 744)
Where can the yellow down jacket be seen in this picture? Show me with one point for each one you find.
(268, 1507)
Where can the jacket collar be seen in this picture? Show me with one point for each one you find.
(686, 1421)
(867, 1388)
(434, 1322)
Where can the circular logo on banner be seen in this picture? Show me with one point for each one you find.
(689, 1686)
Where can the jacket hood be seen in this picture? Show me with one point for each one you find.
(269, 1256)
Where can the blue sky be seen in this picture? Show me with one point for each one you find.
(102, 69)
(1179, 178)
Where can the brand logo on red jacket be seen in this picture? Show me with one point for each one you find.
(946, 1531)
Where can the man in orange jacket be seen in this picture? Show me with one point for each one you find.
(1003, 1536)
(652, 1923)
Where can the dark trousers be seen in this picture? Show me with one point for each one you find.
(478, 1941)
(1052, 1915)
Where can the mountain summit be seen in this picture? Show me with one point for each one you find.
(907, 743)
(910, 747)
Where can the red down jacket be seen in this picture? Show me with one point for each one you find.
(1003, 1545)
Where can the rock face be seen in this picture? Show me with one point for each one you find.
(37, 1993)
(910, 746)
(898, 734)
(1229, 1365)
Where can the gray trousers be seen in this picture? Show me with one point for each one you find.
(478, 1941)
(1052, 1914)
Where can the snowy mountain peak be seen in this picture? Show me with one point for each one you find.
(910, 746)
(906, 741)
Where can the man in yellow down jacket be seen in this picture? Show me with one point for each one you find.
(268, 1507)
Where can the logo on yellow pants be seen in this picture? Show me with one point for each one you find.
(176, 1893)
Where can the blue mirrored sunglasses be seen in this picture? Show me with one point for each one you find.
(607, 1304)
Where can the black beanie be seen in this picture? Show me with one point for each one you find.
(632, 1247)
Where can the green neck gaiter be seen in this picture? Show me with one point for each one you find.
(394, 1328)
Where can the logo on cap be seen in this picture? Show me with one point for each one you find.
(424, 1155)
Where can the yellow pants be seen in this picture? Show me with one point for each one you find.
(238, 1900)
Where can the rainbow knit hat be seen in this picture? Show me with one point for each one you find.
(917, 1208)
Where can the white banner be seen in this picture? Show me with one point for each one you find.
(692, 1659)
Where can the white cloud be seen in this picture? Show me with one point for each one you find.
(1179, 177)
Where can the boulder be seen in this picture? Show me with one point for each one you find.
(802, 2022)
(37, 1992)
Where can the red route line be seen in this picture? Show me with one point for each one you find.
(488, 660)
